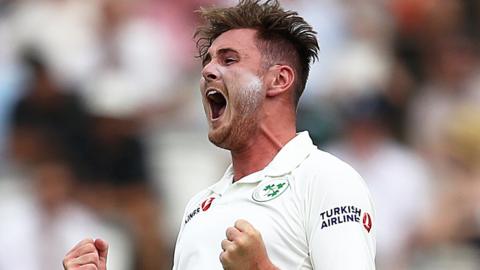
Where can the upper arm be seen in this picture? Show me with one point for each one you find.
(340, 223)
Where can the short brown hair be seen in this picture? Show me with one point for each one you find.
(282, 35)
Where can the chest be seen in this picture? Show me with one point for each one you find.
(274, 210)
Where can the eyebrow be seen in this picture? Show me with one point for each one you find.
(220, 52)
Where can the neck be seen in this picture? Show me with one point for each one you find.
(261, 150)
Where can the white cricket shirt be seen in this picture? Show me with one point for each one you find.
(313, 211)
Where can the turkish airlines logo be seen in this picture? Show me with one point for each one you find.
(346, 214)
(207, 203)
(339, 215)
(367, 221)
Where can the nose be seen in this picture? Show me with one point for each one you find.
(210, 72)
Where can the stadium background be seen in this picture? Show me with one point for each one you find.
(102, 132)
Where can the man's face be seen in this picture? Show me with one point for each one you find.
(232, 89)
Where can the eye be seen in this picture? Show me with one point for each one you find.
(230, 60)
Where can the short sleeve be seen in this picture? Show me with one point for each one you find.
(178, 246)
(340, 221)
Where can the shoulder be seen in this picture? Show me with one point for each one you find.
(192, 208)
(334, 193)
(327, 168)
(331, 180)
(197, 199)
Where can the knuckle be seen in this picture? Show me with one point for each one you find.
(241, 242)
(224, 243)
(88, 267)
(231, 249)
(67, 263)
(89, 246)
(238, 222)
(230, 231)
(88, 240)
(64, 262)
(223, 257)
(93, 257)
(253, 233)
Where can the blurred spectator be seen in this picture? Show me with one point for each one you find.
(397, 179)
(134, 71)
(450, 236)
(48, 111)
(118, 185)
(49, 128)
(8, 97)
(63, 31)
(107, 155)
(352, 36)
(41, 219)
(10, 75)
(453, 81)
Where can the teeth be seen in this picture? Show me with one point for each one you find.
(212, 92)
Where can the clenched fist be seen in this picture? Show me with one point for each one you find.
(89, 254)
(244, 249)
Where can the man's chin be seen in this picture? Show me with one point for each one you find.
(233, 136)
(219, 137)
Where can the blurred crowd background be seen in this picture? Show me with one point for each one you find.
(102, 132)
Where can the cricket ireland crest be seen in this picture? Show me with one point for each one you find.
(270, 189)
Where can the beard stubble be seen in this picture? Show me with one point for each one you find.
(244, 123)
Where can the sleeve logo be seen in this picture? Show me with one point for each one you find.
(204, 206)
(344, 214)
(207, 203)
(367, 221)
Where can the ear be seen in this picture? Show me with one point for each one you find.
(281, 79)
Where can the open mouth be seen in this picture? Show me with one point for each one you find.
(217, 103)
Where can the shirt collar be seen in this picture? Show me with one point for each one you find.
(291, 155)
(224, 183)
(287, 159)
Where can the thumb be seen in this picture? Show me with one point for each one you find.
(102, 248)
